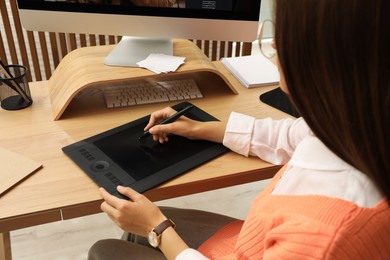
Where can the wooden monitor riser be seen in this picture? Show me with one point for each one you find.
(83, 68)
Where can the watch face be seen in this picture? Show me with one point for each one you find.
(153, 239)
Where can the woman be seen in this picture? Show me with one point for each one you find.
(331, 200)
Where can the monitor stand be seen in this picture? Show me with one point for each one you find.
(83, 69)
(131, 50)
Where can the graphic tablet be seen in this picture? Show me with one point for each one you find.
(117, 156)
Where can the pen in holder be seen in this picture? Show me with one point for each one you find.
(14, 89)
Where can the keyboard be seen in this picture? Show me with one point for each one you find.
(132, 94)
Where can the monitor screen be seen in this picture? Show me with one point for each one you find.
(223, 20)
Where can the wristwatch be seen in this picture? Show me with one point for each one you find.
(154, 236)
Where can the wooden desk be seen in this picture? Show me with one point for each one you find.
(60, 190)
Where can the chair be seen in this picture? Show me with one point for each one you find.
(41, 52)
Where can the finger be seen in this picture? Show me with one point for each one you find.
(163, 129)
(155, 117)
(110, 211)
(158, 116)
(111, 200)
(128, 192)
(162, 138)
(160, 132)
(165, 136)
(104, 193)
(152, 121)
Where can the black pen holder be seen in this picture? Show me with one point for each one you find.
(14, 89)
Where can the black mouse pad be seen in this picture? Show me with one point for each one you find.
(117, 156)
(278, 99)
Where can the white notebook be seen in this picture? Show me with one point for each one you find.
(253, 71)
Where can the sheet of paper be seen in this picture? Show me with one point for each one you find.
(14, 168)
(161, 63)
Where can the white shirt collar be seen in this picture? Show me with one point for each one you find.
(315, 170)
(311, 153)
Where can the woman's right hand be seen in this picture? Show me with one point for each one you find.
(183, 126)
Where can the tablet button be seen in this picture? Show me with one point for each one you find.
(100, 166)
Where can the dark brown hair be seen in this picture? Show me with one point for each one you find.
(335, 57)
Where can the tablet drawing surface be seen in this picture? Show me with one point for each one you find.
(117, 156)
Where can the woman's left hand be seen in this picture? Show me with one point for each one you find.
(138, 215)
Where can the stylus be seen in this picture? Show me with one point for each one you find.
(170, 119)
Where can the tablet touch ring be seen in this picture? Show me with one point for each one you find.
(100, 166)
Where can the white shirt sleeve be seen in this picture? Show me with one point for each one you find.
(272, 140)
(191, 254)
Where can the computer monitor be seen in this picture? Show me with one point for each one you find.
(149, 24)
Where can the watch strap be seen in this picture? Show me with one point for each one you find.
(163, 225)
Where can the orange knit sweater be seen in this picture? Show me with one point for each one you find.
(304, 227)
